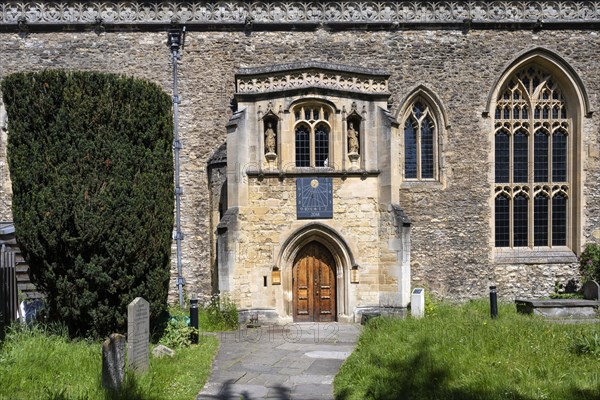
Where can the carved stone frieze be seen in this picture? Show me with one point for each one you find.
(210, 13)
(311, 79)
(276, 78)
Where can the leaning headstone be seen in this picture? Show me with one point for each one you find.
(113, 361)
(591, 290)
(138, 335)
(161, 350)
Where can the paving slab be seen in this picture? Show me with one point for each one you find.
(325, 367)
(294, 361)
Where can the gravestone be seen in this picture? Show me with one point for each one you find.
(417, 303)
(138, 335)
(113, 361)
(591, 290)
(161, 350)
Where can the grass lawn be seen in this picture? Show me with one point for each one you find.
(460, 353)
(39, 365)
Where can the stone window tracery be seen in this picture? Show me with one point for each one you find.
(532, 177)
(312, 127)
(420, 138)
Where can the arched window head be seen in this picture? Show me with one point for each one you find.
(420, 143)
(532, 156)
(313, 130)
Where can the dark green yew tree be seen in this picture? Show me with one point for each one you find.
(92, 175)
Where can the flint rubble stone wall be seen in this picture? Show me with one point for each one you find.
(451, 235)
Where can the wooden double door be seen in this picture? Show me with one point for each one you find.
(313, 284)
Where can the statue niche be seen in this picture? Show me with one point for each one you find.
(352, 139)
(270, 135)
(353, 135)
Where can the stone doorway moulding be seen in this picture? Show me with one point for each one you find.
(342, 258)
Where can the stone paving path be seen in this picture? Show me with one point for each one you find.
(295, 361)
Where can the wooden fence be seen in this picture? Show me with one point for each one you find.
(8, 287)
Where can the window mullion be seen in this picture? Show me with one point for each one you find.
(511, 174)
(531, 183)
(511, 166)
(418, 137)
(550, 213)
(511, 220)
(570, 179)
(550, 158)
(435, 151)
(312, 146)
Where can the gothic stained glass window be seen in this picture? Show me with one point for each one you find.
(427, 149)
(322, 146)
(520, 221)
(559, 220)
(302, 146)
(502, 221)
(526, 140)
(410, 150)
(312, 135)
(502, 156)
(420, 144)
(520, 158)
(559, 156)
(540, 220)
(540, 158)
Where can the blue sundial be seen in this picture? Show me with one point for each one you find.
(314, 198)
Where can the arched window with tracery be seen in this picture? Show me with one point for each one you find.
(533, 136)
(312, 126)
(420, 150)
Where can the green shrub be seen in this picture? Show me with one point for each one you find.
(92, 176)
(178, 333)
(589, 262)
(219, 314)
(431, 304)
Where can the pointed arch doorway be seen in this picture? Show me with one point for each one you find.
(314, 284)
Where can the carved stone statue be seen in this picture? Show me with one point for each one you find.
(270, 139)
(352, 139)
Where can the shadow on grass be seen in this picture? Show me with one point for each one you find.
(129, 390)
(585, 394)
(61, 394)
(421, 378)
(227, 392)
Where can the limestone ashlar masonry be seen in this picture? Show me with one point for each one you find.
(452, 239)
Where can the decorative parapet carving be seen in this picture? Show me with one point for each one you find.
(211, 13)
(311, 75)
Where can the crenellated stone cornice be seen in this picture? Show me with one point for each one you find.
(281, 14)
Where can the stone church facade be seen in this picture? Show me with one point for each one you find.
(338, 154)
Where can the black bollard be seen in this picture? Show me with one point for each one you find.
(493, 302)
(194, 318)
